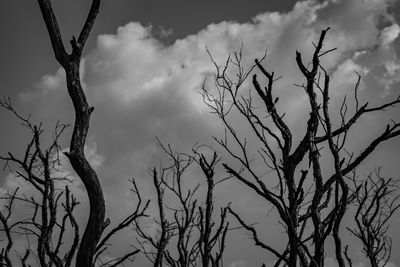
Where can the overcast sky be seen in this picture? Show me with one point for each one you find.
(146, 61)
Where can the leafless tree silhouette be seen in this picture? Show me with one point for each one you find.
(188, 234)
(52, 206)
(377, 199)
(91, 244)
(71, 64)
(310, 204)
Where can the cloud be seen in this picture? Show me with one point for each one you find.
(238, 264)
(389, 34)
(142, 88)
(344, 77)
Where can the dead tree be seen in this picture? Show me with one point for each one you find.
(52, 206)
(310, 206)
(208, 240)
(71, 63)
(39, 169)
(377, 200)
(188, 234)
(104, 244)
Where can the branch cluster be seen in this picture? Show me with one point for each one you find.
(187, 233)
(310, 205)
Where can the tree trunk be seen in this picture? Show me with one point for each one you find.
(95, 225)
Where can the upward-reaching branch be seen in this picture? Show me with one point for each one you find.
(83, 36)
(310, 207)
(53, 30)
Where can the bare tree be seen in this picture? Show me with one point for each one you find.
(187, 231)
(90, 246)
(310, 205)
(208, 240)
(39, 168)
(377, 200)
(52, 206)
(71, 64)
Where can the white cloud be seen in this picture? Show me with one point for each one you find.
(344, 78)
(389, 34)
(94, 159)
(48, 84)
(238, 264)
(392, 67)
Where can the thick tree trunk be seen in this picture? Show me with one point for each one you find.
(76, 155)
(95, 225)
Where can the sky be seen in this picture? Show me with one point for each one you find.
(146, 61)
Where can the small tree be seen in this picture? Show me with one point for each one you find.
(52, 206)
(376, 201)
(188, 234)
(39, 169)
(310, 206)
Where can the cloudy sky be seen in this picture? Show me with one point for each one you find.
(146, 61)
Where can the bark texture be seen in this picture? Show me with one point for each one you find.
(71, 63)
